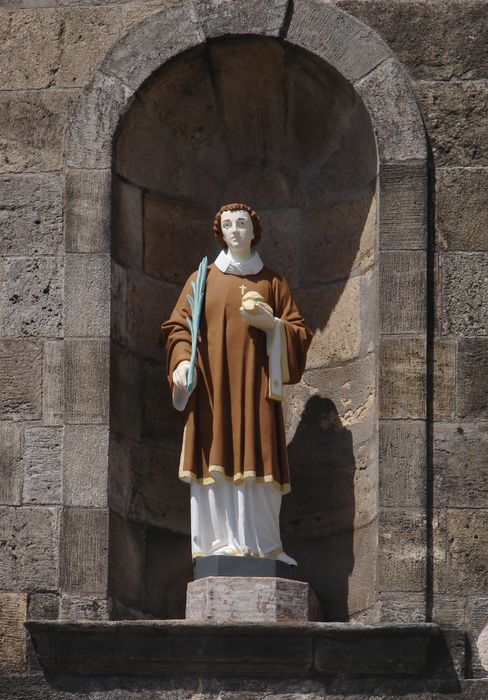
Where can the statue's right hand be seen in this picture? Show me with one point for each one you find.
(180, 375)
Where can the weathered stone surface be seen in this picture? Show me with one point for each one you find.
(402, 378)
(87, 218)
(84, 608)
(10, 461)
(84, 545)
(126, 474)
(42, 461)
(402, 607)
(169, 569)
(21, 377)
(127, 229)
(149, 303)
(127, 562)
(403, 205)
(456, 120)
(465, 293)
(13, 614)
(43, 606)
(462, 208)
(125, 392)
(432, 42)
(472, 378)
(34, 124)
(280, 242)
(32, 297)
(460, 457)
(29, 559)
(400, 132)
(26, 62)
(85, 465)
(403, 291)
(87, 295)
(338, 238)
(401, 550)
(175, 232)
(444, 379)
(242, 599)
(333, 313)
(31, 214)
(159, 420)
(118, 304)
(350, 46)
(94, 120)
(449, 611)
(477, 615)
(241, 17)
(467, 554)
(402, 450)
(87, 381)
(53, 383)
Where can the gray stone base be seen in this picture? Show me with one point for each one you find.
(256, 599)
(241, 566)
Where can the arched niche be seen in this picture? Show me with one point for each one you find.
(322, 135)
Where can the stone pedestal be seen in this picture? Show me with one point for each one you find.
(254, 599)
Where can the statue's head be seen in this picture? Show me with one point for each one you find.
(236, 226)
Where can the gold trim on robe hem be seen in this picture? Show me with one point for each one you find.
(188, 477)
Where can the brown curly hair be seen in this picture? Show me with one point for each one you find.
(256, 223)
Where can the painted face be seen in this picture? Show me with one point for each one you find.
(237, 230)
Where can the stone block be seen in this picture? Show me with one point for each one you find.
(280, 241)
(31, 217)
(27, 63)
(467, 553)
(402, 608)
(465, 293)
(432, 43)
(456, 120)
(160, 420)
(449, 611)
(85, 465)
(125, 392)
(168, 33)
(95, 118)
(333, 313)
(462, 208)
(126, 474)
(402, 367)
(84, 608)
(403, 291)
(338, 238)
(53, 383)
(42, 461)
(20, 379)
(29, 559)
(338, 38)
(87, 381)
(127, 562)
(83, 51)
(127, 228)
(176, 237)
(472, 378)
(43, 606)
(402, 455)
(460, 456)
(477, 617)
(34, 122)
(256, 599)
(403, 206)
(149, 303)
(444, 379)
(400, 132)
(32, 297)
(84, 550)
(11, 464)
(241, 17)
(13, 637)
(118, 304)
(87, 217)
(402, 550)
(87, 295)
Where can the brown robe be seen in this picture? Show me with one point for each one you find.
(231, 426)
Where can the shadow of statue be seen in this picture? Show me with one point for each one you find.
(317, 517)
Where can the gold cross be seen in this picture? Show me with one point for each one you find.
(243, 289)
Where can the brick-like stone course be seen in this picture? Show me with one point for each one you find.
(42, 462)
(11, 464)
(84, 546)
(87, 296)
(13, 613)
(20, 379)
(472, 379)
(465, 293)
(86, 374)
(462, 208)
(85, 465)
(87, 218)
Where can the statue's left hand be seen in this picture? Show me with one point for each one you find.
(262, 319)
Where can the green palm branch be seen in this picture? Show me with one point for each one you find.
(196, 305)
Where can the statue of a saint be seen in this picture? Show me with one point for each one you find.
(251, 340)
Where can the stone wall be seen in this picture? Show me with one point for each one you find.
(54, 509)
